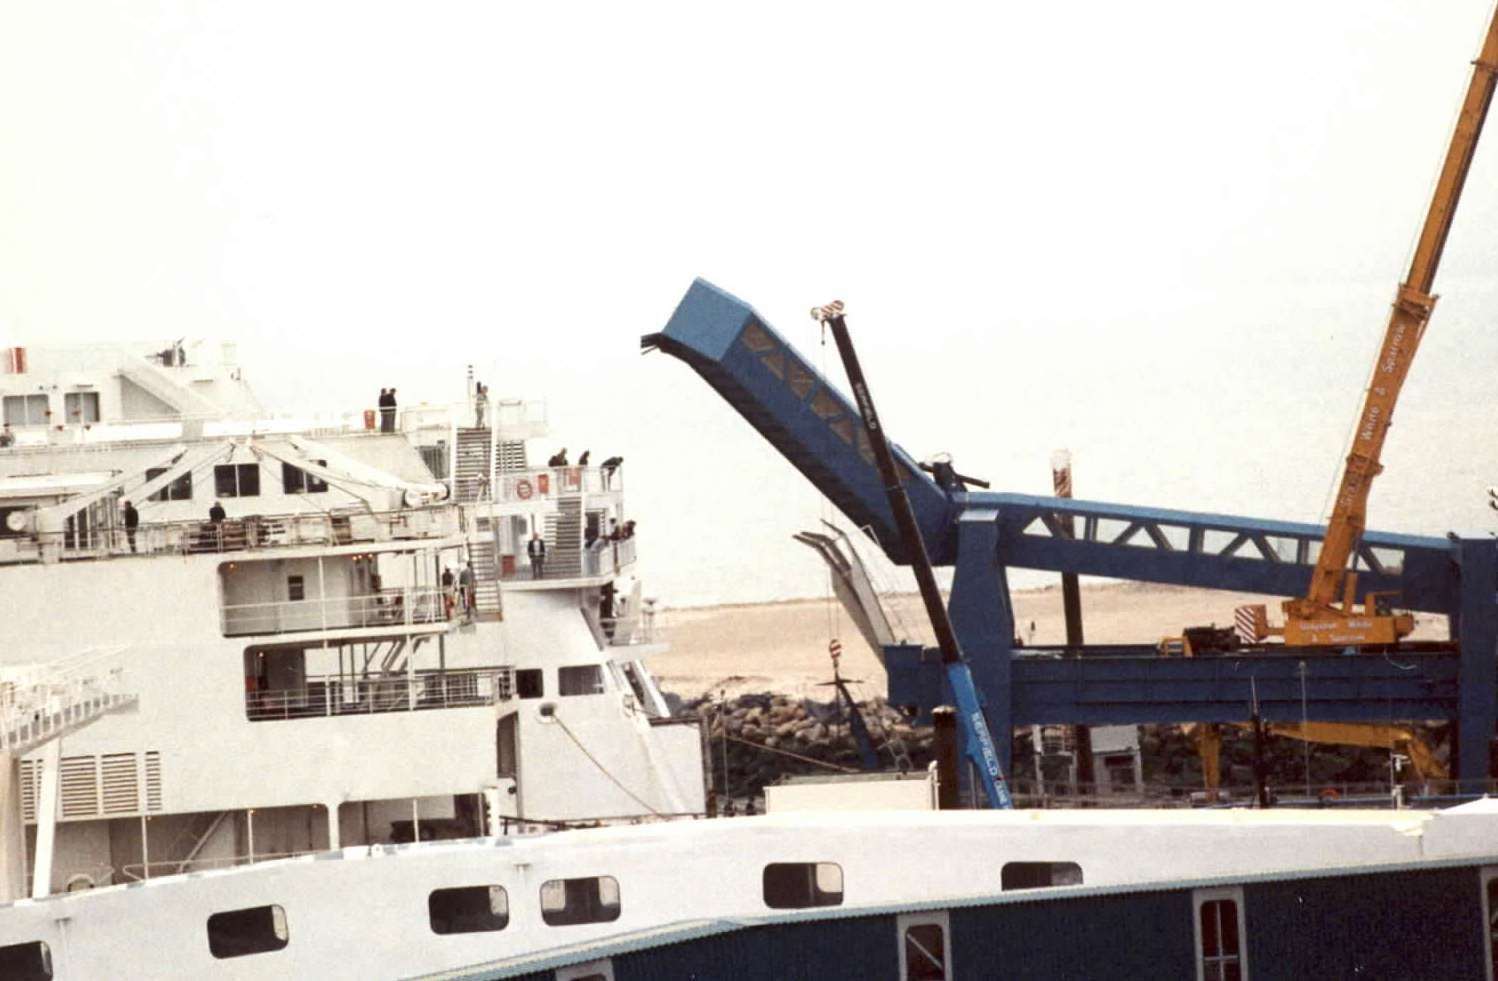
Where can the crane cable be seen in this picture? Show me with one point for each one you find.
(603, 769)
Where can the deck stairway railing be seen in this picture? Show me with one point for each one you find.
(329, 695)
(385, 608)
(42, 702)
(473, 467)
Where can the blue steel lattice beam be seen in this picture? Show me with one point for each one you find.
(808, 420)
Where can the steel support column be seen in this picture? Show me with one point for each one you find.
(983, 619)
(1477, 632)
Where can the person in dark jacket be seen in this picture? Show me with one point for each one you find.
(132, 522)
(536, 549)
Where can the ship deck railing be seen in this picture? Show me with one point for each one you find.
(641, 630)
(325, 696)
(514, 419)
(602, 558)
(250, 533)
(409, 606)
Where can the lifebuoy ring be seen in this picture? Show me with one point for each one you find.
(523, 489)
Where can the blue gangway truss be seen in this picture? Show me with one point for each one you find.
(983, 534)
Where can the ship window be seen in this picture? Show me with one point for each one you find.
(295, 480)
(470, 909)
(26, 410)
(178, 490)
(236, 480)
(1038, 875)
(586, 679)
(26, 962)
(296, 588)
(799, 885)
(529, 683)
(923, 947)
(257, 930)
(81, 407)
(1490, 911)
(567, 902)
(589, 971)
(1219, 933)
(505, 750)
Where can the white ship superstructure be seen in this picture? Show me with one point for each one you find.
(294, 656)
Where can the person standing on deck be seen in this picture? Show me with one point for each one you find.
(480, 406)
(536, 549)
(465, 585)
(447, 593)
(132, 522)
(387, 412)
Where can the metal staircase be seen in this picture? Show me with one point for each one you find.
(481, 554)
(472, 465)
(564, 539)
(45, 702)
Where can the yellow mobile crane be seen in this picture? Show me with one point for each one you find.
(1329, 615)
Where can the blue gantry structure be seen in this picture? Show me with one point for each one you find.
(984, 534)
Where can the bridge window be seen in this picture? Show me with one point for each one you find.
(1039, 875)
(26, 410)
(530, 683)
(586, 679)
(295, 480)
(240, 932)
(26, 962)
(568, 902)
(178, 490)
(1219, 935)
(801, 885)
(81, 407)
(236, 480)
(469, 909)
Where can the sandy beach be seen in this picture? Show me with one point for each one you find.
(782, 647)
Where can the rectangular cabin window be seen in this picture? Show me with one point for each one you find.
(1219, 935)
(26, 410)
(81, 407)
(568, 902)
(469, 909)
(585, 679)
(529, 683)
(240, 932)
(295, 480)
(236, 480)
(296, 588)
(26, 962)
(1039, 875)
(801, 885)
(178, 490)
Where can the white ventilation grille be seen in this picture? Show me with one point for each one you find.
(98, 786)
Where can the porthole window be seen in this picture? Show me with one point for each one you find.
(468, 909)
(240, 932)
(801, 885)
(568, 902)
(26, 962)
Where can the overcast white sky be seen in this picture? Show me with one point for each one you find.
(1162, 234)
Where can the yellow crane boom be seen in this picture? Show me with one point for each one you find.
(1328, 614)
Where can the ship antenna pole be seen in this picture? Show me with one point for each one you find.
(978, 742)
